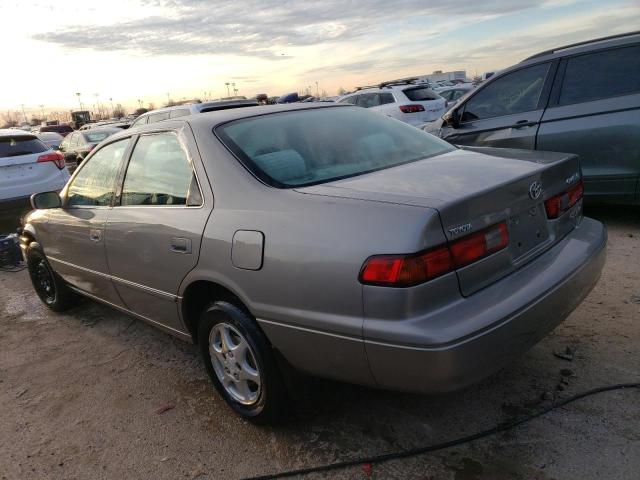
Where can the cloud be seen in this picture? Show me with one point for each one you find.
(263, 28)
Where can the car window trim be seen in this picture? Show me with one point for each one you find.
(504, 74)
(565, 61)
(65, 200)
(117, 199)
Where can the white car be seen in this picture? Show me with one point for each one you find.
(28, 166)
(411, 103)
(50, 139)
(453, 94)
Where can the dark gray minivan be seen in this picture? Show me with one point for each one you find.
(582, 98)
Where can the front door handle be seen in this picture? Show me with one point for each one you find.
(95, 234)
(180, 245)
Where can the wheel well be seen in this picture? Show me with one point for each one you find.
(198, 295)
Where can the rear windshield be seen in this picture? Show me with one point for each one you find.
(56, 128)
(307, 147)
(420, 94)
(20, 145)
(95, 137)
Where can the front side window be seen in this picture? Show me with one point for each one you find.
(94, 185)
(307, 147)
(601, 75)
(140, 121)
(159, 173)
(386, 98)
(513, 93)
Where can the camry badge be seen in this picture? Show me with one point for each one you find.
(535, 190)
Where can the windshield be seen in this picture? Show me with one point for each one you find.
(307, 147)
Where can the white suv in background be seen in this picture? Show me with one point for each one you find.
(411, 103)
(28, 166)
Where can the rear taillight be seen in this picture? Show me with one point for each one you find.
(412, 269)
(411, 108)
(478, 245)
(55, 157)
(559, 204)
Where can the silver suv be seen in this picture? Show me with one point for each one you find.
(582, 98)
(176, 111)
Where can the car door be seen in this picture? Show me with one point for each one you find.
(594, 111)
(506, 112)
(73, 237)
(154, 233)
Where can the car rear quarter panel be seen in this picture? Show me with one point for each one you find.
(306, 297)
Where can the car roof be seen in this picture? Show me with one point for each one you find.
(217, 117)
(585, 46)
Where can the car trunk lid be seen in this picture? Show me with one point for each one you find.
(473, 189)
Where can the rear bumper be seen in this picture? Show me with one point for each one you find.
(515, 313)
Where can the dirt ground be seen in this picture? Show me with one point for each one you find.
(80, 397)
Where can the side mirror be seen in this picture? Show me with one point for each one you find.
(452, 118)
(45, 200)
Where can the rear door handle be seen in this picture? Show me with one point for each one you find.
(180, 245)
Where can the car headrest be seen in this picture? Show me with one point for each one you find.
(283, 165)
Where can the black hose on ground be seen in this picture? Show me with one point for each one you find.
(452, 443)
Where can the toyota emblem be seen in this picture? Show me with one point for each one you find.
(535, 190)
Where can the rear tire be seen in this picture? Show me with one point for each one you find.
(241, 363)
(51, 289)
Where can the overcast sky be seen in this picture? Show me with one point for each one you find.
(144, 49)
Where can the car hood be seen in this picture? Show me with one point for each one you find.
(438, 180)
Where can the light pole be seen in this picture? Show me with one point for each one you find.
(235, 90)
(227, 84)
(42, 111)
(317, 89)
(113, 111)
(24, 114)
(168, 99)
(79, 100)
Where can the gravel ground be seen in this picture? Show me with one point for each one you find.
(96, 394)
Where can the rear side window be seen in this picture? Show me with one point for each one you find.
(368, 100)
(157, 117)
(95, 182)
(180, 112)
(386, 98)
(159, 173)
(14, 146)
(601, 75)
(420, 94)
(510, 94)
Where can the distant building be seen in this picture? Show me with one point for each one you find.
(439, 75)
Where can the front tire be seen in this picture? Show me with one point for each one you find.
(241, 363)
(51, 289)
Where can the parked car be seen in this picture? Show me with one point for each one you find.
(405, 101)
(289, 98)
(27, 166)
(78, 145)
(341, 242)
(453, 94)
(51, 139)
(63, 130)
(582, 98)
(191, 108)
